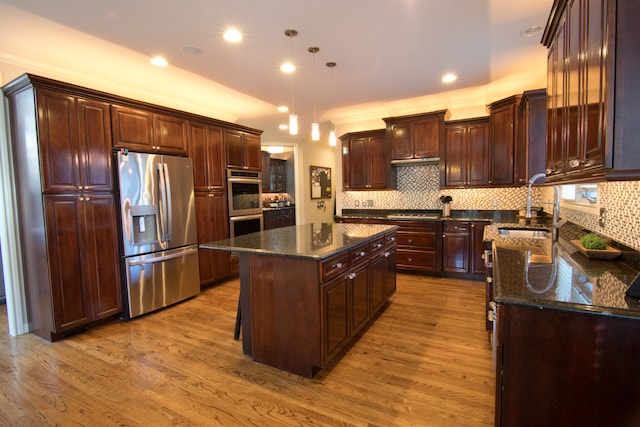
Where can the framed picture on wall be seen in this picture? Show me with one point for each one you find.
(320, 182)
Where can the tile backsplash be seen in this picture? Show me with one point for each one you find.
(419, 188)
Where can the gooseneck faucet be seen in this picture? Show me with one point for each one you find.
(533, 179)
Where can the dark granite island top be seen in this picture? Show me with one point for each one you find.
(316, 241)
(306, 291)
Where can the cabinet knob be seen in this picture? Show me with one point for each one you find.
(491, 315)
(86, 199)
(410, 241)
(409, 259)
(489, 279)
(574, 163)
(386, 254)
(362, 253)
(351, 276)
(337, 265)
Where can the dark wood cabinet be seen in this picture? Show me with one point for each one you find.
(75, 143)
(416, 136)
(276, 218)
(530, 146)
(206, 149)
(462, 247)
(366, 164)
(592, 115)
(146, 131)
(66, 206)
(464, 160)
(418, 246)
(335, 303)
(559, 367)
(274, 174)
(83, 261)
(242, 150)
(212, 219)
(505, 122)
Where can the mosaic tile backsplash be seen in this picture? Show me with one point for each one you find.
(419, 188)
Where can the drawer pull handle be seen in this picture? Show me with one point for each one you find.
(337, 265)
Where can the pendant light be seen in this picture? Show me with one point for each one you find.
(332, 134)
(293, 118)
(315, 126)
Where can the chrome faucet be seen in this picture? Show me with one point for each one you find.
(533, 179)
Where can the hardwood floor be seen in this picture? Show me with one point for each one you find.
(426, 361)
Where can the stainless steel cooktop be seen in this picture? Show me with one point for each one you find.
(413, 215)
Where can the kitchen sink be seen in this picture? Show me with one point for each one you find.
(523, 232)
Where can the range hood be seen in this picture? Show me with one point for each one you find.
(421, 161)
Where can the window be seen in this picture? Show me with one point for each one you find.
(582, 197)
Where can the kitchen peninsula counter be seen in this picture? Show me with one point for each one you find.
(565, 333)
(307, 290)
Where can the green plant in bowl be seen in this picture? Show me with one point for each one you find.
(593, 241)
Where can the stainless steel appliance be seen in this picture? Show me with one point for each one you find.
(160, 253)
(245, 202)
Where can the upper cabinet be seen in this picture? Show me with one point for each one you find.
(530, 147)
(206, 149)
(146, 131)
(365, 161)
(464, 159)
(592, 90)
(243, 150)
(416, 137)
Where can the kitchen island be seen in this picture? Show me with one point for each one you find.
(566, 336)
(306, 291)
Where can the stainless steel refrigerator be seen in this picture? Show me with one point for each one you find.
(160, 253)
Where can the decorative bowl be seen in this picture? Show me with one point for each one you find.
(609, 253)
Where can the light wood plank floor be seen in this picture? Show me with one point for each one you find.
(426, 361)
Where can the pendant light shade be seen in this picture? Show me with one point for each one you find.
(332, 138)
(315, 131)
(293, 124)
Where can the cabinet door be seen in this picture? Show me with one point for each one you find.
(359, 170)
(556, 116)
(94, 145)
(378, 268)
(335, 304)
(401, 142)
(477, 247)
(206, 149)
(102, 272)
(58, 141)
(455, 162)
(71, 299)
(573, 129)
(170, 134)
(426, 136)
(501, 161)
(455, 250)
(390, 271)
(252, 151)
(212, 225)
(379, 165)
(478, 154)
(360, 305)
(132, 129)
(265, 167)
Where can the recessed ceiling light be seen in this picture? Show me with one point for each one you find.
(232, 35)
(159, 61)
(531, 31)
(283, 126)
(449, 78)
(283, 108)
(287, 67)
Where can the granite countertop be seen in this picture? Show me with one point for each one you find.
(316, 241)
(541, 273)
(279, 208)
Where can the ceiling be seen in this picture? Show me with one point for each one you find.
(386, 51)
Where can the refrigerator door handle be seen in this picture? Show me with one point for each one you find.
(162, 201)
(162, 258)
(167, 183)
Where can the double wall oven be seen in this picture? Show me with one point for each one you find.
(245, 202)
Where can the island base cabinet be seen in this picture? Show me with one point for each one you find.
(557, 367)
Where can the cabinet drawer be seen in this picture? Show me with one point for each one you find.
(333, 266)
(390, 239)
(359, 254)
(377, 245)
(416, 260)
(416, 226)
(417, 240)
(456, 227)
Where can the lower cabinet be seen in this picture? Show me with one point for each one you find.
(277, 218)
(84, 266)
(462, 247)
(418, 246)
(559, 367)
(211, 220)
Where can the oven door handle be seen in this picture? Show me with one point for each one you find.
(245, 217)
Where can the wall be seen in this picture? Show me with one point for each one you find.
(621, 201)
(316, 154)
(419, 188)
